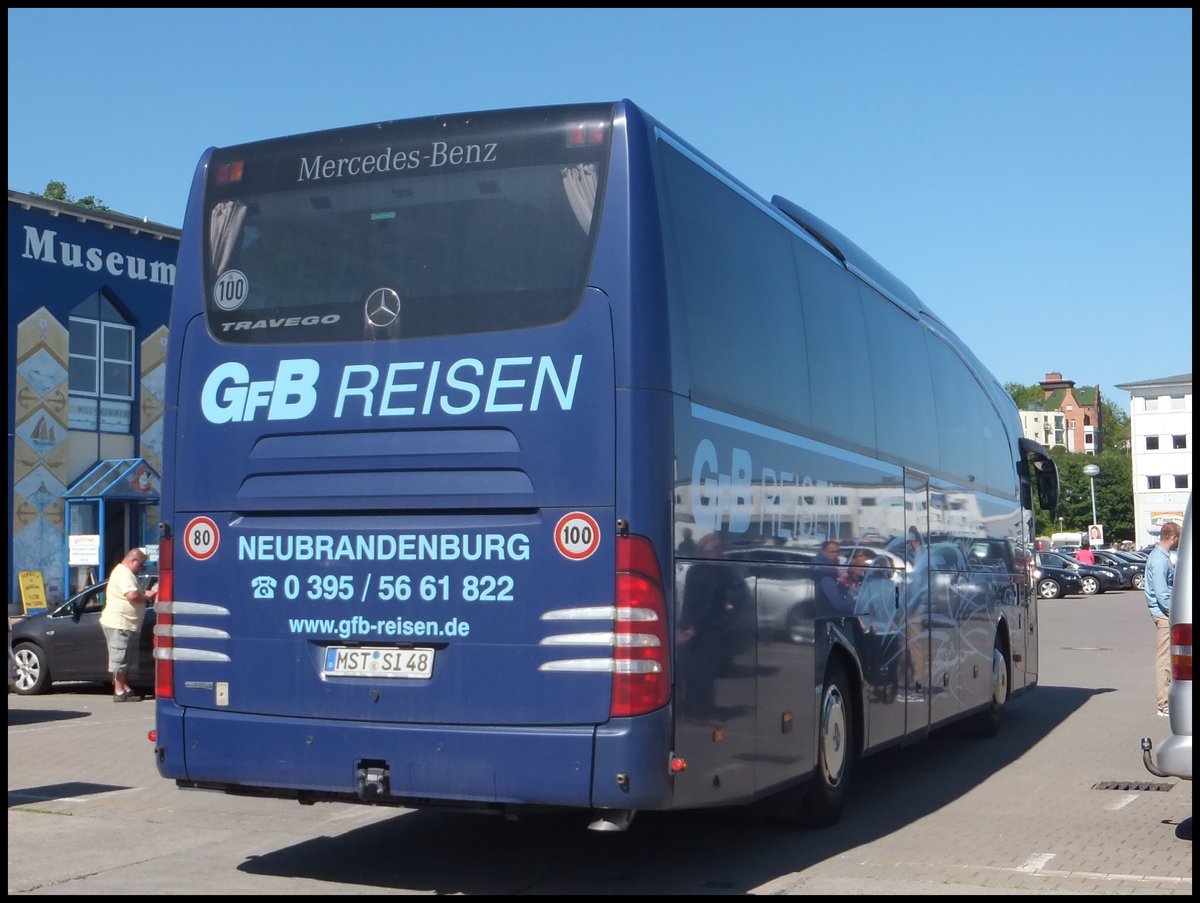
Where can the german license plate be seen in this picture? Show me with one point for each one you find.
(367, 661)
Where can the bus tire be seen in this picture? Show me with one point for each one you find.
(987, 723)
(825, 794)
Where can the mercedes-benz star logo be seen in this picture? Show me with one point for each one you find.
(382, 307)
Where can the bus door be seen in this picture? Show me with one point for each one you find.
(918, 608)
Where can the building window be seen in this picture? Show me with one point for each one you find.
(1179, 441)
(1154, 482)
(1152, 443)
(1151, 404)
(100, 368)
(1181, 481)
(1176, 402)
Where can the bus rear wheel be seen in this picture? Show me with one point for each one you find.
(987, 722)
(825, 794)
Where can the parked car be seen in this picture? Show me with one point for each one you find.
(12, 661)
(1053, 581)
(1175, 754)
(1133, 570)
(67, 643)
(785, 605)
(1096, 578)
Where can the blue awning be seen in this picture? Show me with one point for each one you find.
(117, 479)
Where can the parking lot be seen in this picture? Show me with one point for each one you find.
(1059, 803)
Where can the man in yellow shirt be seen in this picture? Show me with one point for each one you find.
(124, 609)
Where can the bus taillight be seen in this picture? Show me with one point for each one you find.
(587, 134)
(642, 676)
(1181, 652)
(229, 172)
(164, 666)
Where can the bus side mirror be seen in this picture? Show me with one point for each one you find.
(1045, 472)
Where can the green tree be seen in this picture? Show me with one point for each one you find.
(1025, 396)
(57, 191)
(1114, 484)
(1115, 433)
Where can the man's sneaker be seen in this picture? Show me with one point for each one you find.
(1164, 711)
(128, 696)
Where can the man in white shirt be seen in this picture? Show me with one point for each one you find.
(124, 609)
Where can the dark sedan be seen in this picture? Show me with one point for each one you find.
(1097, 578)
(67, 643)
(1053, 582)
(1132, 569)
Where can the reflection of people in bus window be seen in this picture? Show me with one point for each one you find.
(918, 601)
(829, 593)
(880, 622)
(913, 550)
(856, 570)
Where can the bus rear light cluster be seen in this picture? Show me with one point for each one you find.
(642, 673)
(164, 667)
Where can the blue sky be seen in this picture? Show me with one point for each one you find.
(1027, 172)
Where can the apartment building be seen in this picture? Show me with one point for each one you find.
(1160, 436)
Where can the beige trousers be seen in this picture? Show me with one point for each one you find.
(1162, 660)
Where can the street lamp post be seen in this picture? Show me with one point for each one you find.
(1092, 471)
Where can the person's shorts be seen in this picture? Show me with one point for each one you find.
(122, 649)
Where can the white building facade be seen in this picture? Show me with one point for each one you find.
(1160, 437)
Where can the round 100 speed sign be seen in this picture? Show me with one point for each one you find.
(577, 535)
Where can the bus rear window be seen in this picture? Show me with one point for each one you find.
(421, 228)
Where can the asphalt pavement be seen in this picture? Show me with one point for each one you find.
(1058, 803)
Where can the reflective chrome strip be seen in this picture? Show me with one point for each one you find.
(586, 613)
(580, 639)
(190, 630)
(580, 664)
(636, 614)
(175, 654)
(638, 666)
(638, 640)
(628, 640)
(190, 608)
(607, 665)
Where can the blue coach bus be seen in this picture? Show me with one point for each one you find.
(526, 459)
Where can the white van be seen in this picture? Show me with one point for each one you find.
(1175, 754)
(1066, 541)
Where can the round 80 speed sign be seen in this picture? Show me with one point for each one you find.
(577, 535)
(201, 538)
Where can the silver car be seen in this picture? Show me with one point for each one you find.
(1175, 754)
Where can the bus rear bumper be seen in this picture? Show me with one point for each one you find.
(412, 765)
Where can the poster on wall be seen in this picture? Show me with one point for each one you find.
(33, 592)
(83, 550)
